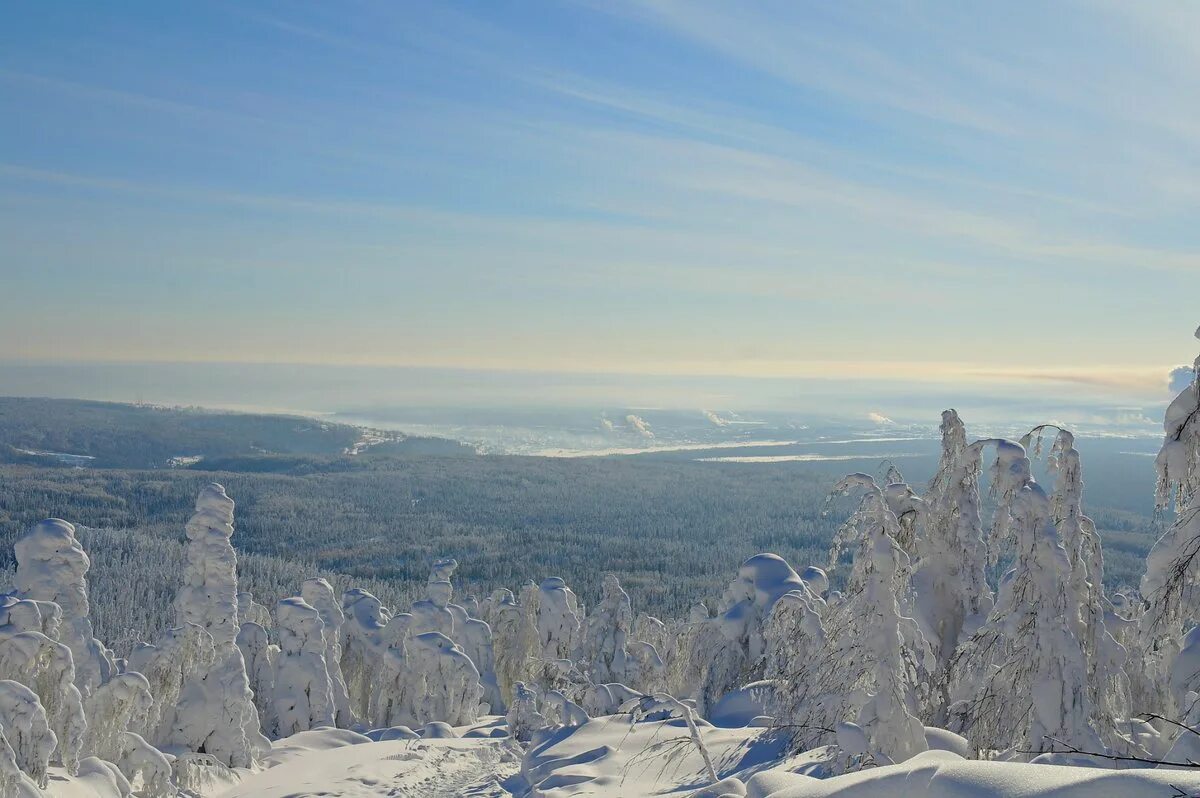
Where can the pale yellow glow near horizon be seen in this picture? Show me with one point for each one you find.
(1143, 380)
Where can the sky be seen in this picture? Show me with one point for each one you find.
(961, 192)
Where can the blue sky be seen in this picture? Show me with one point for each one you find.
(959, 191)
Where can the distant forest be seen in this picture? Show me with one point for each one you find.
(674, 531)
(112, 435)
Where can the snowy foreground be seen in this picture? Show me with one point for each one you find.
(611, 757)
(915, 672)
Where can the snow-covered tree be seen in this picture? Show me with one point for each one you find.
(122, 704)
(558, 619)
(1021, 681)
(645, 669)
(208, 597)
(428, 679)
(950, 575)
(803, 670)
(393, 680)
(319, 593)
(882, 656)
(45, 667)
(514, 640)
(437, 613)
(723, 653)
(432, 613)
(602, 654)
(216, 713)
(52, 566)
(181, 655)
(524, 717)
(1178, 461)
(1108, 683)
(476, 641)
(362, 660)
(250, 611)
(1172, 577)
(144, 764)
(302, 693)
(26, 730)
(11, 777)
(260, 656)
(26, 615)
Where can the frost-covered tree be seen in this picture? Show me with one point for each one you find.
(11, 777)
(216, 713)
(652, 647)
(45, 667)
(26, 730)
(1178, 461)
(182, 654)
(52, 567)
(558, 619)
(716, 655)
(428, 679)
(950, 575)
(25, 615)
(260, 656)
(250, 611)
(881, 654)
(476, 642)
(602, 653)
(1108, 683)
(524, 717)
(514, 640)
(122, 704)
(437, 613)
(319, 593)
(302, 694)
(1021, 681)
(645, 669)
(652, 630)
(394, 682)
(362, 660)
(803, 670)
(562, 711)
(145, 765)
(432, 613)
(1172, 577)
(208, 597)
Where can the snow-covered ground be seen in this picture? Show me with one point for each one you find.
(609, 757)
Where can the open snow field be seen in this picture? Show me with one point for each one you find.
(610, 758)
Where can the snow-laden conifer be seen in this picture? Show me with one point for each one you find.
(602, 652)
(881, 657)
(1021, 681)
(27, 732)
(52, 567)
(319, 594)
(302, 693)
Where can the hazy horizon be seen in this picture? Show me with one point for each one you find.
(431, 397)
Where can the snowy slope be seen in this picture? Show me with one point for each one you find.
(610, 758)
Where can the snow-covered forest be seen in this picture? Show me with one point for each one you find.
(919, 645)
